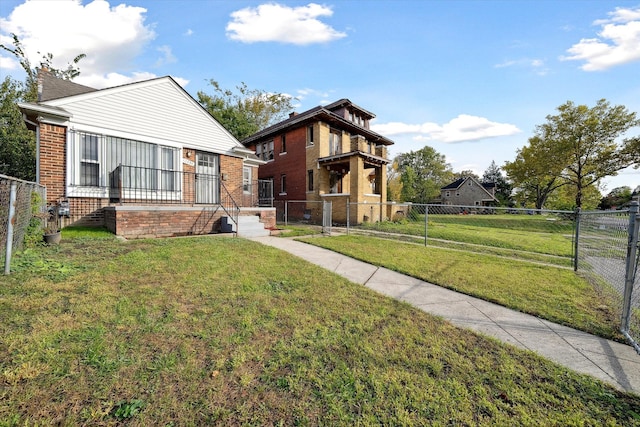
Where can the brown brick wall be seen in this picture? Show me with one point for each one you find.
(53, 161)
(289, 163)
(145, 221)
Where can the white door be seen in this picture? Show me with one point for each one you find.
(207, 184)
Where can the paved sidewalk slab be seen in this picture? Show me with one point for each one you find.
(615, 363)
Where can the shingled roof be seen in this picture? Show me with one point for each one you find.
(50, 87)
(321, 113)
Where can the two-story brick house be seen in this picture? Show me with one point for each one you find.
(327, 153)
(468, 191)
(142, 159)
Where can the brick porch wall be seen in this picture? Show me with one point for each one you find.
(172, 221)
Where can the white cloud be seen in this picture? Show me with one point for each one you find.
(274, 22)
(188, 33)
(167, 56)
(111, 37)
(463, 128)
(618, 42)
(535, 65)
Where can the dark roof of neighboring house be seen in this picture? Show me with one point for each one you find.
(458, 182)
(50, 87)
(326, 114)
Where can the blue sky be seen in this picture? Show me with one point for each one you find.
(472, 79)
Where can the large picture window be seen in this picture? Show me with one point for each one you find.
(145, 165)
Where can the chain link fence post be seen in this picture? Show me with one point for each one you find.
(10, 223)
(630, 272)
(576, 239)
(426, 223)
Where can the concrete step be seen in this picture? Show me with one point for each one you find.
(249, 226)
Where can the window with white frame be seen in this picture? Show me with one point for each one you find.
(89, 160)
(246, 179)
(144, 165)
(283, 184)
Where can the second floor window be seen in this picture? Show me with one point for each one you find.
(310, 135)
(335, 143)
(283, 148)
(264, 150)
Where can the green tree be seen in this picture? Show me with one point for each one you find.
(564, 198)
(394, 182)
(246, 111)
(583, 143)
(535, 173)
(464, 174)
(422, 174)
(493, 174)
(617, 197)
(17, 143)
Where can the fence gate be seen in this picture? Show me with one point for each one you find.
(326, 218)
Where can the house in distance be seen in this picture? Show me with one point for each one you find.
(327, 153)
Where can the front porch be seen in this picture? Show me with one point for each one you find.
(147, 202)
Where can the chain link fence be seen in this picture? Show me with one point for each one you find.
(607, 254)
(543, 236)
(20, 200)
(299, 212)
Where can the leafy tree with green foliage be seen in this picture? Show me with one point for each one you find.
(17, 143)
(535, 173)
(493, 174)
(465, 173)
(617, 197)
(580, 146)
(247, 111)
(564, 198)
(423, 173)
(394, 182)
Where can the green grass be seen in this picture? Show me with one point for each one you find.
(221, 331)
(551, 293)
(515, 232)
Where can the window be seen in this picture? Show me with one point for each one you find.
(447, 194)
(310, 135)
(283, 184)
(335, 146)
(246, 179)
(283, 148)
(167, 167)
(89, 160)
(144, 165)
(310, 180)
(264, 150)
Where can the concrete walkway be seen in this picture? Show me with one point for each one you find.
(615, 363)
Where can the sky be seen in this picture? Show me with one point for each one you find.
(472, 79)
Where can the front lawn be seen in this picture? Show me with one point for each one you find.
(552, 293)
(224, 331)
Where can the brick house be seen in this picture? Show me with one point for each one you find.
(468, 192)
(328, 153)
(142, 159)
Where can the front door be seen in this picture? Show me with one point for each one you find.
(207, 184)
